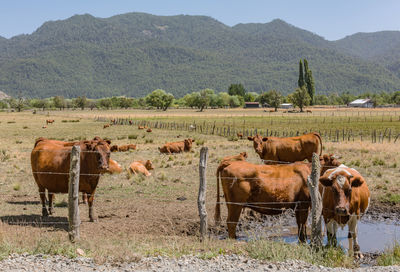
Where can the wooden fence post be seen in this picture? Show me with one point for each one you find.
(201, 200)
(316, 202)
(73, 194)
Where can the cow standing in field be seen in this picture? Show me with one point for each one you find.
(49, 121)
(291, 149)
(106, 126)
(345, 198)
(275, 187)
(239, 135)
(141, 167)
(50, 162)
(177, 147)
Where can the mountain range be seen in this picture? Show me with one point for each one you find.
(132, 54)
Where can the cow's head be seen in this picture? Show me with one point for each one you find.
(149, 165)
(188, 144)
(101, 149)
(328, 162)
(257, 143)
(243, 154)
(114, 148)
(341, 181)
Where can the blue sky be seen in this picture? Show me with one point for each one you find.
(330, 19)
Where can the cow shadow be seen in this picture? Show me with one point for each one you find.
(27, 202)
(35, 220)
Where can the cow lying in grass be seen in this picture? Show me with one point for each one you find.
(177, 147)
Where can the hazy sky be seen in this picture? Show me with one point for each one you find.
(331, 19)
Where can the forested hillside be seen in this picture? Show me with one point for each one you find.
(135, 53)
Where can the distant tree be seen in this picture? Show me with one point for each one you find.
(80, 102)
(335, 99)
(91, 104)
(347, 98)
(395, 98)
(300, 81)
(235, 101)
(250, 96)
(104, 103)
(223, 99)
(159, 99)
(59, 102)
(3, 104)
(377, 100)
(237, 89)
(202, 99)
(39, 103)
(300, 98)
(17, 104)
(309, 82)
(321, 100)
(272, 98)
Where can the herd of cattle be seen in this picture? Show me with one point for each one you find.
(267, 188)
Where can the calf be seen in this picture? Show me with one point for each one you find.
(124, 148)
(345, 198)
(239, 135)
(141, 167)
(106, 126)
(149, 130)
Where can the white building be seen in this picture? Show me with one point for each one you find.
(362, 103)
(286, 106)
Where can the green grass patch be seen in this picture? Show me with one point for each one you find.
(132, 137)
(390, 256)
(390, 198)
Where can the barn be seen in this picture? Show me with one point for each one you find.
(251, 105)
(362, 103)
(286, 106)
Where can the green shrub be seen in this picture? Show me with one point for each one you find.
(132, 136)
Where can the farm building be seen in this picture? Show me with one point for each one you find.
(251, 105)
(362, 103)
(286, 106)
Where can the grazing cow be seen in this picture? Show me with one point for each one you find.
(308, 111)
(106, 126)
(141, 167)
(124, 148)
(177, 147)
(140, 127)
(130, 122)
(149, 130)
(290, 149)
(49, 121)
(279, 185)
(54, 157)
(271, 110)
(345, 198)
(239, 135)
(113, 121)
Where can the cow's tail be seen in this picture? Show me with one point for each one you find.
(217, 214)
(320, 141)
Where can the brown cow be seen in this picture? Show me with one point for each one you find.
(141, 167)
(290, 149)
(49, 121)
(114, 148)
(140, 127)
(239, 135)
(130, 122)
(240, 157)
(106, 126)
(345, 198)
(279, 185)
(177, 147)
(54, 157)
(44, 126)
(124, 148)
(149, 130)
(308, 111)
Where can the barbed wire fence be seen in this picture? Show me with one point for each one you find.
(203, 221)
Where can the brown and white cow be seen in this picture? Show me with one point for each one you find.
(50, 156)
(290, 149)
(177, 147)
(141, 167)
(345, 198)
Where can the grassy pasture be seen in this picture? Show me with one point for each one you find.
(143, 216)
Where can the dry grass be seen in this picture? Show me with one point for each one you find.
(141, 216)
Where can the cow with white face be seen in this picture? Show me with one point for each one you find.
(345, 198)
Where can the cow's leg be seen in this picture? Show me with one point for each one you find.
(301, 219)
(331, 229)
(42, 193)
(92, 215)
(353, 248)
(233, 218)
(84, 198)
(51, 202)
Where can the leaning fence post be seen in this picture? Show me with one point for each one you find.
(201, 200)
(73, 194)
(316, 202)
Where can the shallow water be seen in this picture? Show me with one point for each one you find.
(373, 237)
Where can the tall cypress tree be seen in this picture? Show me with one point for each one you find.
(301, 76)
(309, 81)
